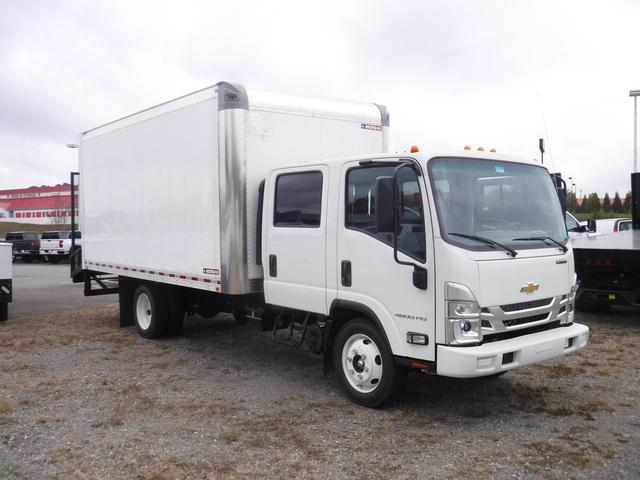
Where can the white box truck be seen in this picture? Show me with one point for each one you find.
(283, 210)
(6, 279)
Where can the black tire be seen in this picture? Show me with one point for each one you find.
(177, 309)
(27, 259)
(391, 376)
(4, 311)
(150, 311)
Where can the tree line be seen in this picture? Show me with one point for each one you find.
(591, 204)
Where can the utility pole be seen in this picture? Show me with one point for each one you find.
(635, 94)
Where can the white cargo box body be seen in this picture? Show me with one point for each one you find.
(170, 193)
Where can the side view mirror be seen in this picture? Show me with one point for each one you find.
(385, 213)
(591, 225)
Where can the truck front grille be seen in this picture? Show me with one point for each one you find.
(515, 307)
(523, 320)
(521, 317)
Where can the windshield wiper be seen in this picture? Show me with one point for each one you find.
(544, 239)
(488, 241)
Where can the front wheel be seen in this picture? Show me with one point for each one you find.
(364, 364)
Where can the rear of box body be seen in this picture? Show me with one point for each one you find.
(170, 194)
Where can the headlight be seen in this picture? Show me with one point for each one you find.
(463, 325)
(571, 299)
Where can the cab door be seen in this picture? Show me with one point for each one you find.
(368, 274)
(294, 252)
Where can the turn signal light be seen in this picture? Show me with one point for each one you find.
(415, 149)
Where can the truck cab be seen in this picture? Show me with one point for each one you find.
(458, 265)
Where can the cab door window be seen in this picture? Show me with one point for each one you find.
(298, 199)
(361, 207)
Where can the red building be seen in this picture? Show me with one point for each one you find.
(43, 205)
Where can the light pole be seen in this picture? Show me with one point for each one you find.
(635, 94)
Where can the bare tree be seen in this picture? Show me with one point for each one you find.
(60, 214)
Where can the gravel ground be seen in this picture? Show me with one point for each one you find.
(82, 399)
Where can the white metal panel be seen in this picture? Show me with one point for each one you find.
(301, 105)
(385, 286)
(301, 280)
(6, 267)
(150, 191)
(283, 139)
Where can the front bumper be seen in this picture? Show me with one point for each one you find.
(61, 253)
(496, 357)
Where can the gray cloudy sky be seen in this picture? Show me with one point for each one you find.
(492, 73)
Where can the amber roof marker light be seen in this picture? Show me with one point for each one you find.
(415, 149)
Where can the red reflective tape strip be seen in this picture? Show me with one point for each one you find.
(161, 273)
(195, 279)
(207, 280)
(172, 275)
(118, 267)
(143, 271)
(126, 268)
(152, 272)
(183, 277)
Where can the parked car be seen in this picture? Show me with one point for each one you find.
(55, 245)
(612, 225)
(26, 245)
(576, 228)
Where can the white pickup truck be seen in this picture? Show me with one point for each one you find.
(55, 245)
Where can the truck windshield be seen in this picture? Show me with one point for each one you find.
(500, 201)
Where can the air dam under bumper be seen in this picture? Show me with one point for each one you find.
(495, 357)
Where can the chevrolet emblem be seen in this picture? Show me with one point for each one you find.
(530, 287)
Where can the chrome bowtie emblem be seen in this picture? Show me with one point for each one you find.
(529, 287)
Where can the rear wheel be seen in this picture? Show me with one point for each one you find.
(177, 308)
(364, 364)
(150, 311)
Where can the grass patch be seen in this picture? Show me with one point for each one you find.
(5, 407)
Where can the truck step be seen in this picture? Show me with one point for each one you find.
(292, 326)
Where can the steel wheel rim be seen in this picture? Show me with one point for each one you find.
(143, 311)
(362, 363)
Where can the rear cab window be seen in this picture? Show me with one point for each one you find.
(51, 236)
(298, 200)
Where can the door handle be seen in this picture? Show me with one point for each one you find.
(346, 273)
(273, 266)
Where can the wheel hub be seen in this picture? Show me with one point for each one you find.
(143, 311)
(362, 363)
